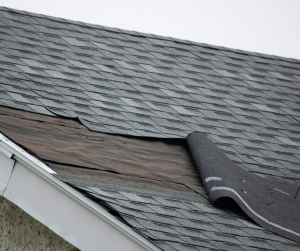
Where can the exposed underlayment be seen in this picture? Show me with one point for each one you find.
(154, 91)
(271, 202)
(19, 231)
(70, 148)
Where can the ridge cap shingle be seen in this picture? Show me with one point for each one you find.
(179, 40)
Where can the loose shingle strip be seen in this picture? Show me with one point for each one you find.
(271, 202)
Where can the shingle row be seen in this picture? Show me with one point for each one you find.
(178, 224)
(144, 85)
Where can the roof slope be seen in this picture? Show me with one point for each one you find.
(128, 83)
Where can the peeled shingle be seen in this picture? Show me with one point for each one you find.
(123, 82)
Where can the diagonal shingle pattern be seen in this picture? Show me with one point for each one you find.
(125, 82)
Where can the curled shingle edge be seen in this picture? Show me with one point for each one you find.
(272, 203)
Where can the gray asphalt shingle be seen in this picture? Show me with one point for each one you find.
(135, 84)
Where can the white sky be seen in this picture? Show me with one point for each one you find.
(267, 26)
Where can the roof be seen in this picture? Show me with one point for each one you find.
(132, 84)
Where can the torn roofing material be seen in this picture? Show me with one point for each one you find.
(133, 84)
(169, 216)
(271, 202)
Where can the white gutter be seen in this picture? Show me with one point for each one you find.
(28, 183)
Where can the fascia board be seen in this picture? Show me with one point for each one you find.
(6, 152)
(30, 172)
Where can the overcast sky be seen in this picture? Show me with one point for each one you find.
(267, 26)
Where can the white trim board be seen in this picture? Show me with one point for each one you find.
(61, 208)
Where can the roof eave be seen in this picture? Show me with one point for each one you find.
(28, 183)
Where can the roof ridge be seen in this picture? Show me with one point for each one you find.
(142, 34)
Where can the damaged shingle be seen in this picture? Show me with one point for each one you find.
(120, 82)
